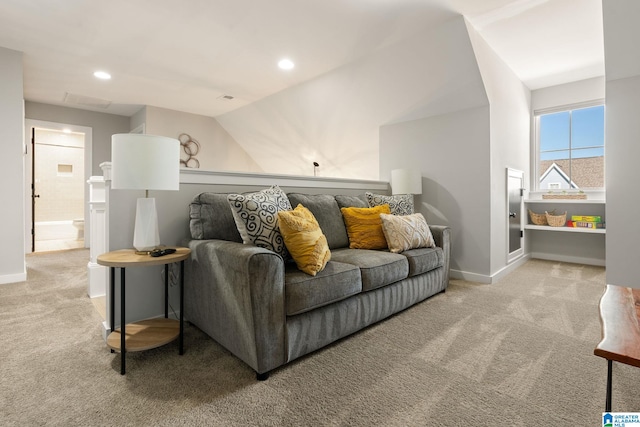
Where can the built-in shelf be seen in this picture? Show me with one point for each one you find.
(566, 244)
(566, 229)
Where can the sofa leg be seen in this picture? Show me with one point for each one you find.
(262, 377)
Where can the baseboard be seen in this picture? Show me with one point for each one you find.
(510, 268)
(105, 330)
(488, 279)
(98, 279)
(13, 278)
(469, 277)
(570, 259)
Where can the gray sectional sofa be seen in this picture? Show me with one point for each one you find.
(268, 313)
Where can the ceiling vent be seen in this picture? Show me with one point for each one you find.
(87, 101)
(226, 97)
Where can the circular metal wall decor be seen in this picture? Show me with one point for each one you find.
(191, 147)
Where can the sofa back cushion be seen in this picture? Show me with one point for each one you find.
(304, 239)
(399, 204)
(364, 227)
(352, 201)
(326, 211)
(211, 218)
(256, 216)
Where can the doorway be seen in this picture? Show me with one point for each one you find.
(515, 235)
(56, 186)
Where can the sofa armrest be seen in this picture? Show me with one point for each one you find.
(442, 237)
(235, 293)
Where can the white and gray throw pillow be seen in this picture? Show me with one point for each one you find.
(399, 204)
(256, 216)
(404, 232)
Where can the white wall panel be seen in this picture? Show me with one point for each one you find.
(12, 209)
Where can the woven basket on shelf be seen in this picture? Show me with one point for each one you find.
(537, 219)
(556, 220)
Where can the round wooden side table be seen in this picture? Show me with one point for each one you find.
(150, 333)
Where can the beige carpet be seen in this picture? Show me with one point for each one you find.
(517, 353)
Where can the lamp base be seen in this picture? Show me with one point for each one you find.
(146, 235)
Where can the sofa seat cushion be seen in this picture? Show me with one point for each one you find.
(377, 268)
(304, 292)
(422, 260)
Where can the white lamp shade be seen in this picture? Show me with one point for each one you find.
(144, 162)
(406, 181)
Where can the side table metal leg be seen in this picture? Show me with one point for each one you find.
(166, 291)
(607, 407)
(181, 338)
(123, 349)
(112, 304)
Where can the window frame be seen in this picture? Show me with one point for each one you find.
(536, 171)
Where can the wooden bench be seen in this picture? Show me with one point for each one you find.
(619, 317)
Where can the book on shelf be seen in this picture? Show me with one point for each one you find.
(585, 224)
(586, 218)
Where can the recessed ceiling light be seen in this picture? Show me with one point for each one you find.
(103, 75)
(286, 64)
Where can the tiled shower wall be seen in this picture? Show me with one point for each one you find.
(59, 175)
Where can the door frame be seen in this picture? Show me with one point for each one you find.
(518, 253)
(88, 144)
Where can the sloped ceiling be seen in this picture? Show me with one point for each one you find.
(334, 120)
(545, 42)
(185, 55)
(360, 64)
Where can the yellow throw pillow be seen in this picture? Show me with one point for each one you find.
(364, 227)
(406, 232)
(304, 239)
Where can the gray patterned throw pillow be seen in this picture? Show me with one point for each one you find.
(256, 216)
(399, 204)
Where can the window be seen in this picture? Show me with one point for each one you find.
(570, 149)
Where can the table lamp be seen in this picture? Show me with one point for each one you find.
(406, 181)
(145, 162)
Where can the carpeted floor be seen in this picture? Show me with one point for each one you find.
(517, 353)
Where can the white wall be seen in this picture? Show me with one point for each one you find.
(622, 179)
(137, 121)
(12, 250)
(510, 119)
(335, 119)
(218, 150)
(463, 157)
(568, 94)
(452, 153)
(622, 65)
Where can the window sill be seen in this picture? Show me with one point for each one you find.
(586, 201)
(593, 196)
